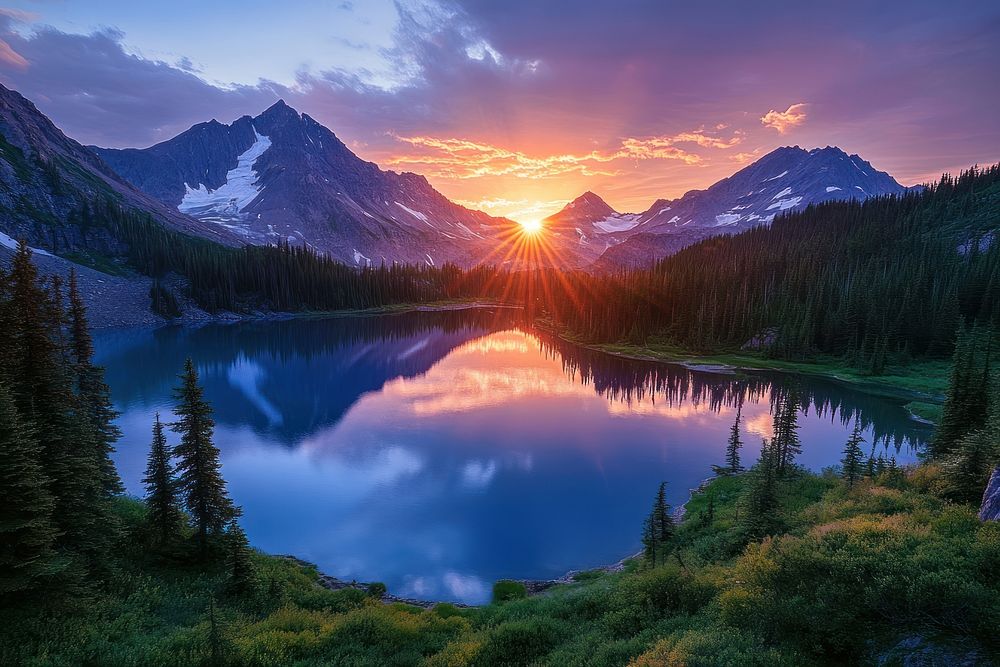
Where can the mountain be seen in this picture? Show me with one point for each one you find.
(786, 179)
(47, 179)
(282, 176)
(587, 226)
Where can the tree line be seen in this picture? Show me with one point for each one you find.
(58, 483)
(874, 282)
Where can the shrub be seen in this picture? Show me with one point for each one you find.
(376, 590)
(519, 642)
(506, 590)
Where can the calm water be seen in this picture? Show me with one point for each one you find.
(439, 452)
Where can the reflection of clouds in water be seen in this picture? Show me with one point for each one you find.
(450, 585)
(413, 349)
(477, 474)
(464, 586)
(761, 424)
(246, 375)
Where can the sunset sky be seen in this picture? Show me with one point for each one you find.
(516, 107)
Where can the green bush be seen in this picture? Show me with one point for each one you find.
(506, 590)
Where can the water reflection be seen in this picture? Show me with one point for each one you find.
(439, 452)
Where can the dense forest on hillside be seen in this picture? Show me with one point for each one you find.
(887, 279)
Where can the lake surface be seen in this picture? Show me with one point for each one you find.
(439, 452)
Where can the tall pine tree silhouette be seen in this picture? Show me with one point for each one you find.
(854, 457)
(200, 481)
(161, 488)
(93, 394)
(734, 445)
(659, 526)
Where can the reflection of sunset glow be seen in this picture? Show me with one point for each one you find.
(762, 425)
(510, 366)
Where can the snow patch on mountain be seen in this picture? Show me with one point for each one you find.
(727, 219)
(832, 188)
(618, 222)
(416, 214)
(359, 258)
(8, 242)
(784, 204)
(240, 188)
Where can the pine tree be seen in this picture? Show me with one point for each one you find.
(734, 445)
(27, 530)
(161, 489)
(853, 460)
(786, 433)
(967, 469)
(41, 385)
(94, 394)
(241, 569)
(966, 404)
(200, 481)
(658, 527)
(760, 500)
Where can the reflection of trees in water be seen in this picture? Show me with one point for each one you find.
(289, 378)
(629, 380)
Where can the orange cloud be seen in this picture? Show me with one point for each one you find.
(782, 121)
(516, 209)
(463, 159)
(9, 56)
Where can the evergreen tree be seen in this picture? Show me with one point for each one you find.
(760, 500)
(967, 469)
(786, 432)
(200, 482)
(94, 394)
(40, 381)
(658, 527)
(161, 488)
(734, 445)
(27, 530)
(853, 461)
(966, 404)
(241, 569)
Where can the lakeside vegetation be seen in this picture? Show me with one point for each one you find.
(772, 564)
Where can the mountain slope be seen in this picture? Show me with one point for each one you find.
(283, 176)
(46, 179)
(587, 226)
(786, 179)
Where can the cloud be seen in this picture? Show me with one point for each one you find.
(525, 90)
(10, 57)
(782, 121)
(463, 158)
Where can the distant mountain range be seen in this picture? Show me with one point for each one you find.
(283, 177)
(47, 178)
(786, 179)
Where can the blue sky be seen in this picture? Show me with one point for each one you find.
(517, 107)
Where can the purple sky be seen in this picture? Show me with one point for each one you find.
(521, 105)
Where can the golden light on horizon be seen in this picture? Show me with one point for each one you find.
(531, 226)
